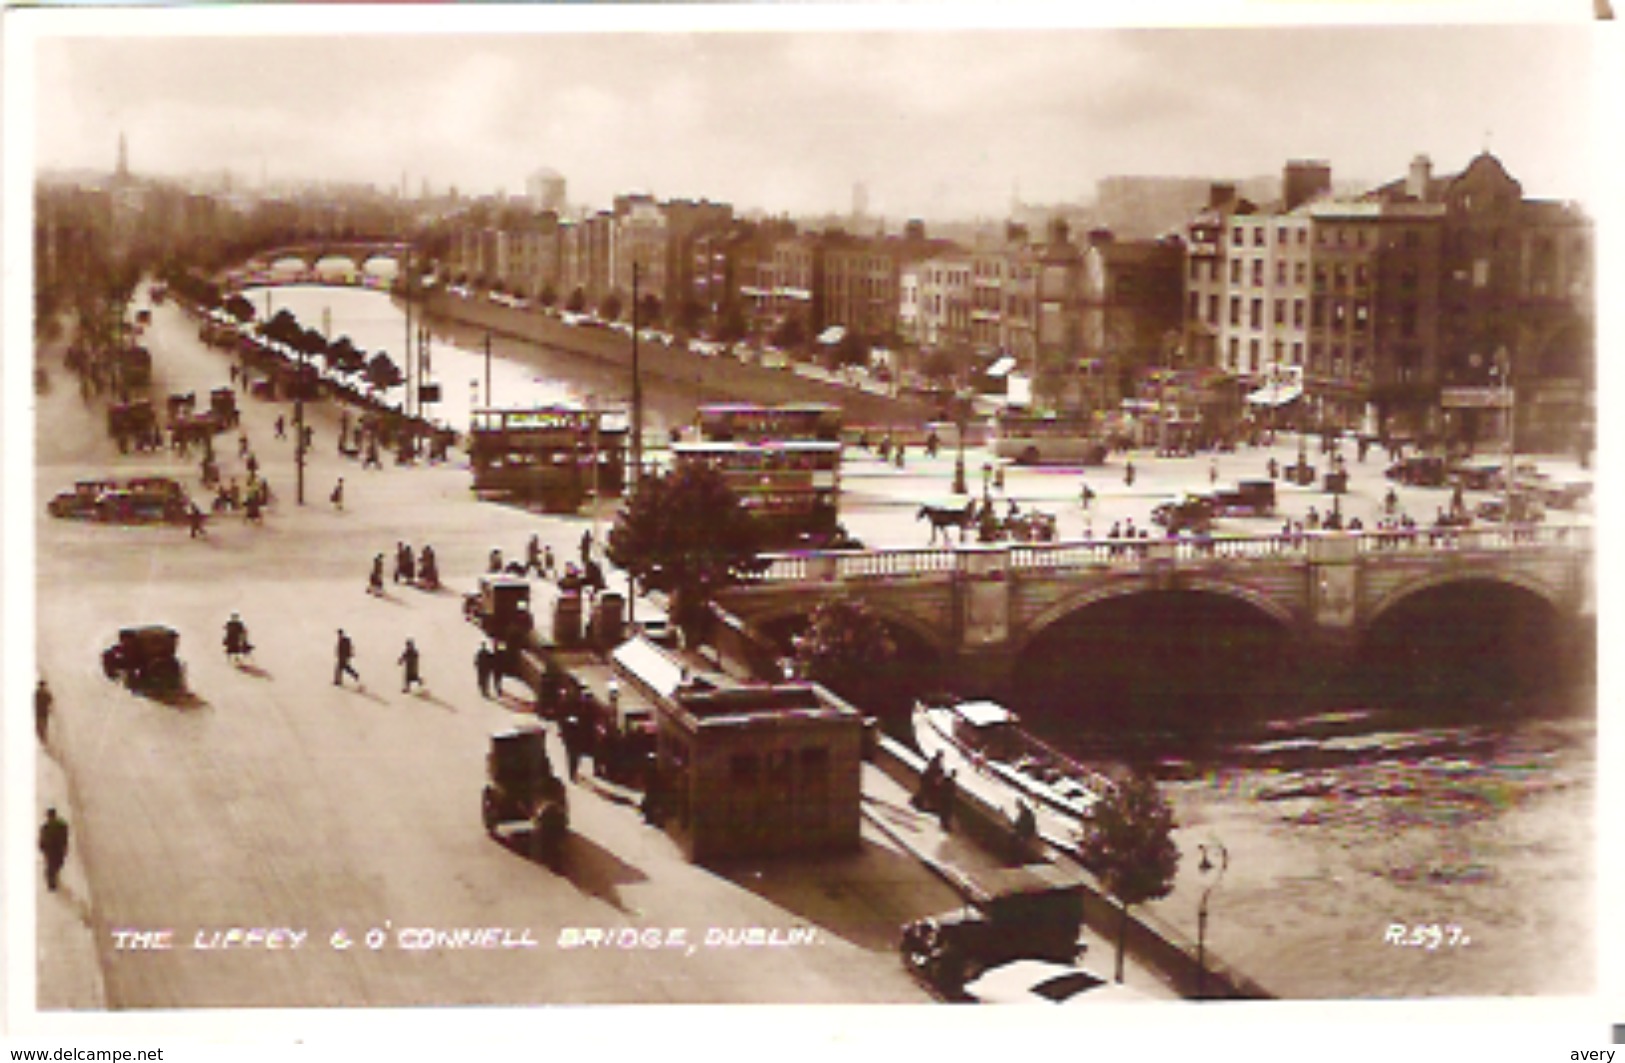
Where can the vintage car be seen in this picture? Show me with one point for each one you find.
(1419, 470)
(1020, 914)
(1192, 513)
(146, 659)
(1249, 498)
(521, 787)
(81, 502)
(501, 608)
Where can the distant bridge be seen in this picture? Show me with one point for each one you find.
(357, 254)
(981, 607)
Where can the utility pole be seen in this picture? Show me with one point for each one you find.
(637, 390)
(406, 292)
(488, 369)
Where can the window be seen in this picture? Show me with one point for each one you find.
(1318, 313)
(1280, 236)
(1213, 309)
(1320, 278)
(1258, 271)
(1256, 318)
(1196, 269)
(1303, 237)
(1297, 353)
(1297, 313)
(1235, 309)
(1258, 236)
(1342, 277)
(1280, 272)
(1195, 305)
(1340, 317)
(1300, 271)
(1280, 311)
(1252, 356)
(1362, 275)
(1236, 236)
(1235, 271)
(1361, 315)
(1235, 353)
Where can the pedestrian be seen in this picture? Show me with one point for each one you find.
(549, 565)
(586, 547)
(1128, 474)
(483, 665)
(194, 520)
(310, 438)
(253, 466)
(42, 710)
(371, 461)
(1088, 496)
(493, 562)
(375, 581)
(281, 427)
(533, 554)
(242, 445)
(1213, 470)
(337, 497)
(409, 665)
(251, 508)
(947, 792)
(400, 561)
(344, 653)
(570, 733)
(53, 845)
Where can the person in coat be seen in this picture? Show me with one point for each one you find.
(53, 845)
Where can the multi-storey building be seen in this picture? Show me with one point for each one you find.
(860, 286)
(1131, 303)
(640, 238)
(686, 222)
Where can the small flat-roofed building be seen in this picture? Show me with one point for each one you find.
(758, 769)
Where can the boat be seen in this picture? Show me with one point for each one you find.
(982, 739)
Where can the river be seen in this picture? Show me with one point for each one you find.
(521, 374)
(1337, 826)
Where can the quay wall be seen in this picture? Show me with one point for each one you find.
(726, 378)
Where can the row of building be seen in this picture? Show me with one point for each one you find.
(1408, 307)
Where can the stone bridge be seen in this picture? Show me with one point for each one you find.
(980, 607)
(258, 270)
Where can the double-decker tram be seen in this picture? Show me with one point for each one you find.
(783, 462)
(1029, 438)
(552, 455)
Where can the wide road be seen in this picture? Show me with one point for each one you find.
(271, 798)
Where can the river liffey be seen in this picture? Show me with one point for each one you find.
(1346, 834)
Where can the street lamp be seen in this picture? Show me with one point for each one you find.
(1204, 867)
(959, 458)
(1503, 369)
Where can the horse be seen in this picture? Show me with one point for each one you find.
(942, 518)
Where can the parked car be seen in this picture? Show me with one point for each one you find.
(1193, 512)
(521, 786)
(1249, 498)
(1025, 916)
(1043, 982)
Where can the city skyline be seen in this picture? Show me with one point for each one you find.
(950, 124)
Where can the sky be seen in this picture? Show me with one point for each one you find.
(935, 123)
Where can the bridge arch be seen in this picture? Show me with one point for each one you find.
(1384, 606)
(1091, 596)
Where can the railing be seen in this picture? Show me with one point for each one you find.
(836, 566)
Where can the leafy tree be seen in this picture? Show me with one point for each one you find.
(578, 301)
(847, 648)
(610, 308)
(1127, 841)
(939, 366)
(852, 350)
(382, 372)
(686, 533)
(547, 297)
(240, 308)
(649, 310)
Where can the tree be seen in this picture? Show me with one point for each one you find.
(1127, 841)
(547, 297)
(852, 350)
(578, 301)
(610, 308)
(686, 533)
(240, 308)
(847, 648)
(790, 334)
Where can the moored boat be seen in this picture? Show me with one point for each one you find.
(982, 739)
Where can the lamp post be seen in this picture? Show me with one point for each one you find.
(1204, 867)
(959, 458)
(1503, 369)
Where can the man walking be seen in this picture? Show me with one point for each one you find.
(409, 662)
(42, 710)
(483, 665)
(344, 653)
(53, 845)
(337, 497)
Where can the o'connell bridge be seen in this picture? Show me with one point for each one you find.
(982, 607)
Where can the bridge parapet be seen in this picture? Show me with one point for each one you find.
(1308, 547)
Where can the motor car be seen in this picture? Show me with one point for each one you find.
(1419, 470)
(521, 786)
(146, 660)
(1524, 506)
(82, 501)
(1045, 982)
(1477, 475)
(1021, 914)
(1249, 498)
(1193, 512)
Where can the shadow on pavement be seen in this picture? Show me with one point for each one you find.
(597, 872)
(438, 702)
(863, 896)
(182, 699)
(254, 670)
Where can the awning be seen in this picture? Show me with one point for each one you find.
(1275, 394)
(833, 334)
(1002, 366)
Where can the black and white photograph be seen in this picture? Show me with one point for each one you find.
(738, 505)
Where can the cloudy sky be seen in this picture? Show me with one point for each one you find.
(933, 122)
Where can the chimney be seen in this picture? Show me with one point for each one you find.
(1421, 176)
(1015, 233)
(1221, 193)
(1304, 180)
(1099, 237)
